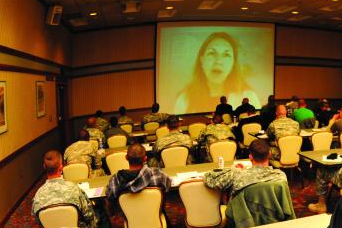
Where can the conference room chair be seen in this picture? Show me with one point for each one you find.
(174, 156)
(116, 162)
(227, 118)
(248, 128)
(224, 149)
(161, 132)
(143, 209)
(316, 124)
(95, 143)
(202, 205)
(151, 128)
(127, 128)
(76, 171)
(116, 141)
(321, 140)
(289, 147)
(259, 204)
(195, 129)
(59, 215)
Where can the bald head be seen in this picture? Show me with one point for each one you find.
(83, 135)
(245, 100)
(281, 111)
(52, 162)
(91, 122)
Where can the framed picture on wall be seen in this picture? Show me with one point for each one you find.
(3, 116)
(40, 98)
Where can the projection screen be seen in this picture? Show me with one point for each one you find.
(198, 62)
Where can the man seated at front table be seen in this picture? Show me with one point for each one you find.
(243, 108)
(237, 178)
(56, 190)
(223, 107)
(124, 119)
(85, 152)
(215, 132)
(304, 116)
(155, 116)
(280, 127)
(137, 177)
(174, 138)
(94, 132)
(115, 130)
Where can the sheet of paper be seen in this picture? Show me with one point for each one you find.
(181, 177)
(338, 159)
(305, 133)
(147, 146)
(244, 163)
(94, 192)
(264, 136)
(83, 185)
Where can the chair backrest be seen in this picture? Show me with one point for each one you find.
(227, 118)
(116, 162)
(251, 206)
(202, 204)
(116, 141)
(246, 128)
(127, 128)
(195, 129)
(162, 131)
(225, 149)
(151, 128)
(316, 124)
(58, 215)
(289, 148)
(95, 143)
(75, 171)
(322, 140)
(174, 156)
(142, 209)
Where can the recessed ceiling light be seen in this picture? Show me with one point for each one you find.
(93, 14)
(244, 8)
(169, 7)
(295, 12)
(334, 0)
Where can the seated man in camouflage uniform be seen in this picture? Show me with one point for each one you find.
(324, 176)
(155, 116)
(174, 138)
(214, 132)
(115, 130)
(85, 152)
(137, 177)
(124, 119)
(237, 178)
(56, 190)
(94, 132)
(101, 123)
(280, 127)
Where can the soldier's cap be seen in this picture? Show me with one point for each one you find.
(136, 150)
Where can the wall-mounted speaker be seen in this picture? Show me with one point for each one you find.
(54, 15)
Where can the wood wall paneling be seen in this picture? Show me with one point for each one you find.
(113, 45)
(308, 82)
(134, 89)
(23, 28)
(313, 43)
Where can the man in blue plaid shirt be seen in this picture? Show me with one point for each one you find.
(137, 177)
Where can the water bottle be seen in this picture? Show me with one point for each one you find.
(221, 162)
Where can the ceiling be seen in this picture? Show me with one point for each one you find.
(111, 13)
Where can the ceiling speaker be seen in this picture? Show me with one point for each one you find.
(54, 15)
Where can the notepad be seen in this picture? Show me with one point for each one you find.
(244, 163)
(181, 177)
(94, 192)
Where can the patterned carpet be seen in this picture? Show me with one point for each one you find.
(175, 211)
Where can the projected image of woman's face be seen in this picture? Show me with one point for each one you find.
(217, 60)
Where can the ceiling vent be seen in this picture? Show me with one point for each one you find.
(257, 1)
(209, 5)
(77, 22)
(283, 9)
(299, 18)
(131, 7)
